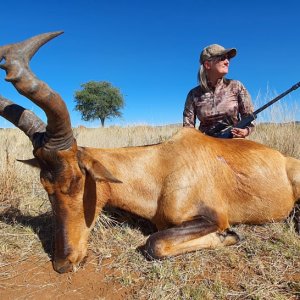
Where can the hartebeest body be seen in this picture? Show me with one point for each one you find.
(192, 187)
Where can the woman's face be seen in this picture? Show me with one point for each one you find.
(218, 66)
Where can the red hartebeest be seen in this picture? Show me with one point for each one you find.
(192, 187)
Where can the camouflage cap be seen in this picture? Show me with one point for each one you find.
(216, 50)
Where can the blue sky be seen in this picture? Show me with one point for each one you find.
(150, 50)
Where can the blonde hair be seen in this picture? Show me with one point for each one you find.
(202, 79)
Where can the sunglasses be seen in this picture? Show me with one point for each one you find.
(220, 58)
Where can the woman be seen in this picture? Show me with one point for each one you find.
(217, 102)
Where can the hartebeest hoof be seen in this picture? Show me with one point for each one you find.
(230, 237)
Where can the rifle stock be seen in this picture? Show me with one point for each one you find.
(223, 131)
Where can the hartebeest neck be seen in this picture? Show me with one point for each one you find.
(141, 173)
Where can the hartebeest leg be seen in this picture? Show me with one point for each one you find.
(293, 172)
(187, 237)
(296, 218)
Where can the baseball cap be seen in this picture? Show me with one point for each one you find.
(216, 50)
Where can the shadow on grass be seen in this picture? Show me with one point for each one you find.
(131, 220)
(41, 225)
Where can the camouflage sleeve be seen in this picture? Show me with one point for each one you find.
(189, 112)
(245, 105)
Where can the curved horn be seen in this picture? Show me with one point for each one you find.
(24, 119)
(59, 135)
(26, 49)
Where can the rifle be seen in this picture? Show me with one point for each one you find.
(218, 130)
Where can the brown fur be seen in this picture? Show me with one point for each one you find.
(188, 178)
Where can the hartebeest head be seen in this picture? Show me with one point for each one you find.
(68, 174)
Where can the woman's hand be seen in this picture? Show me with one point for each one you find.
(240, 132)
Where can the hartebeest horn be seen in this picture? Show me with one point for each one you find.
(59, 135)
(26, 49)
(24, 119)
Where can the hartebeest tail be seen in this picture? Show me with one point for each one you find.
(192, 187)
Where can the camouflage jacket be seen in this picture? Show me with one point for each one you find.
(226, 104)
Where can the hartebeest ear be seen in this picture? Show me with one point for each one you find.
(95, 168)
(33, 162)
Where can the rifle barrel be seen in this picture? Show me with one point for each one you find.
(294, 87)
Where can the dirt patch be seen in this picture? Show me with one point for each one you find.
(35, 278)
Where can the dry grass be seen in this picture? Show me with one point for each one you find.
(264, 266)
(114, 137)
(283, 137)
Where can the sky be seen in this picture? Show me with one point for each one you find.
(150, 50)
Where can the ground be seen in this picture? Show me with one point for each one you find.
(34, 278)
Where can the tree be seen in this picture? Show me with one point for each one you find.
(99, 100)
